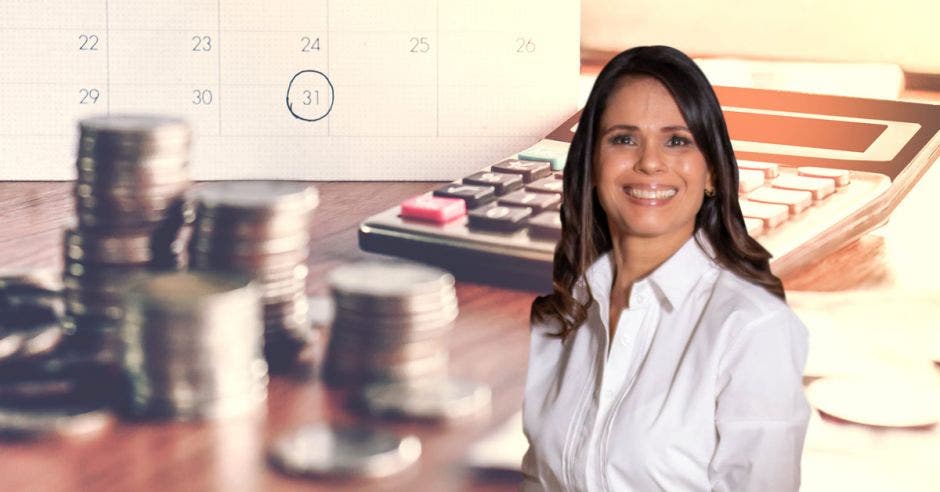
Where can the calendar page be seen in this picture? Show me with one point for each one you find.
(293, 89)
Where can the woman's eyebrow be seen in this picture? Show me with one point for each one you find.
(673, 128)
(633, 128)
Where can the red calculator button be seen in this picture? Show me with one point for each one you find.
(433, 208)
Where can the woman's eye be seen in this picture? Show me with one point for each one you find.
(622, 140)
(677, 141)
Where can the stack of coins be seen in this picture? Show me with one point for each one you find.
(190, 346)
(44, 388)
(389, 342)
(261, 228)
(391, 323)
(132, 174)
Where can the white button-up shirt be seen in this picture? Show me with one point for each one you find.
(700, 390)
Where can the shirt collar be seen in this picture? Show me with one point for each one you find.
(672, 281)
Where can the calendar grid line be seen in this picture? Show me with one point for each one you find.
(107, 36)
(437, 67)
(218, 11)
(329, 47)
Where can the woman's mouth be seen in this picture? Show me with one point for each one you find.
(653, 193)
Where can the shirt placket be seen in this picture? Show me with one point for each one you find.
(613, 383)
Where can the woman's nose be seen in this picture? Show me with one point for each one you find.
(650, 162)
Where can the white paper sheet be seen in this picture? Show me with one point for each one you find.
(298, 89)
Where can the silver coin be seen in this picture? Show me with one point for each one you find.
(62, 420)
(132, 135)
(234, 227)
(252, 247)
(389, 279)
(30, 279)
(401, 322)
(126, 165)
(394, 306)
(450, 399)
(10, 344)
(258, 196)
(119, 249)
(41, 340)
(324, 451)
(371, 338)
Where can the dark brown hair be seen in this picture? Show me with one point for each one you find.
(584, 232)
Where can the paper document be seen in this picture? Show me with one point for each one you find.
(295, 89)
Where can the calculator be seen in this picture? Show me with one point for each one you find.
(815, 171)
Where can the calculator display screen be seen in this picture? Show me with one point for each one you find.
(803, 132)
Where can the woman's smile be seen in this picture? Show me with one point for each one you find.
(650, 194)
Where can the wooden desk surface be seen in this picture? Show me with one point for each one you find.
(489, 345)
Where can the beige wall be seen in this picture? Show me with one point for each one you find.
(906, 32)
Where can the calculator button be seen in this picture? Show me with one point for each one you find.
(770, 170)
(547, 185)
(473, 195)
(433, 208)
(841, 177)
(555, 206)
(498, 217)
(796, 200)
(819, 187)
(536, 201)
(529, 170)
(754, 226)
(771, 214)
(749, 180)
(554, 152)
(559, 175)
(546, 225)
(502, 182)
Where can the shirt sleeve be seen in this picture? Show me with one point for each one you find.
(761, 411)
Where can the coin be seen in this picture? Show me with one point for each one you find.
(132, 136)
(257, 198)
(388, 279)
(889, 399)
(324, 451)
(55, 420)
(450, 399)
(30, 280)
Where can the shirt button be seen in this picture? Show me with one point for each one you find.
(641, 299)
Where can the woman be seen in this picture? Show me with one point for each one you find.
(665, 358)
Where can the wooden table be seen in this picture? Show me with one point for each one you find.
(489, 345)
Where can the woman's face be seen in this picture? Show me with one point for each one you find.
(650, 175)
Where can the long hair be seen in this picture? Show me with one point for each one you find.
(584, 232)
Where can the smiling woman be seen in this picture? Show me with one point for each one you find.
(665, 357)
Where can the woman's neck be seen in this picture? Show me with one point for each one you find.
(636, 257)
